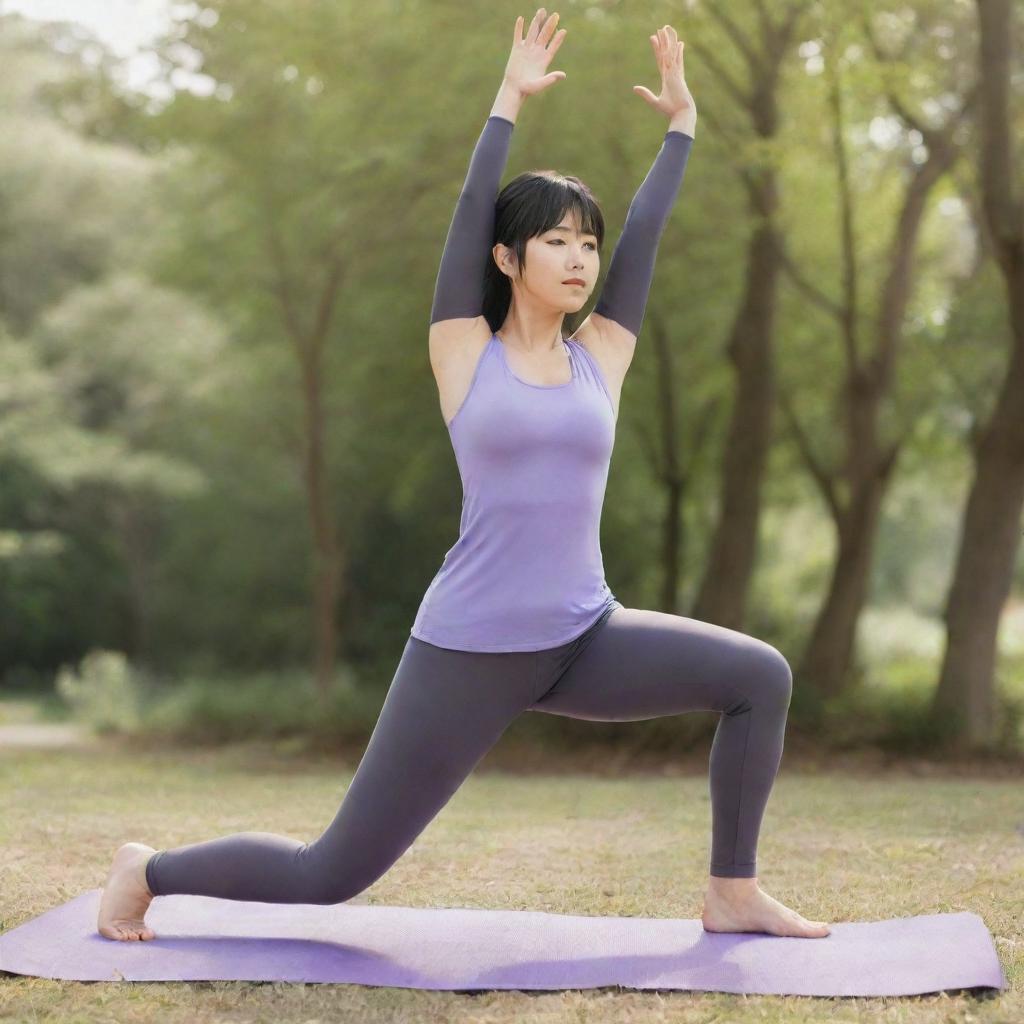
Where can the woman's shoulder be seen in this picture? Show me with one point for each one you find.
(608, 343)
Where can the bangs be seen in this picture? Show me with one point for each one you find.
(538, 201)
(557, 197)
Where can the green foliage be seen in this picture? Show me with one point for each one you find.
(165, 263)
(205, 710)
(103, 693)
(891, 711)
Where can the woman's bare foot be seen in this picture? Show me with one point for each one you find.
(739, 905)
(126, 896)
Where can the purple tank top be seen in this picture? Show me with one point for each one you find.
(526, 572)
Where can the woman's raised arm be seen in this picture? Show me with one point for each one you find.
(628, 281)
(459, 290)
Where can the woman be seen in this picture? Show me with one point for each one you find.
(519, 617)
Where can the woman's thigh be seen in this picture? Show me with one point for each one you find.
(443, 711)
(645, 664)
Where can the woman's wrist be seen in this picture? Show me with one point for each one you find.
(684, 121)
(508, 102)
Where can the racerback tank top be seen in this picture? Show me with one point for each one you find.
(526, 572)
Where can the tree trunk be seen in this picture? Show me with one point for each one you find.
(308, 342)
(722, 595)
(326, 556)
(672, 545)
(668, 467)
(990, 538)
(670, 471)
(963, 706)
(136, 530)
(725, 585)
(826, 659)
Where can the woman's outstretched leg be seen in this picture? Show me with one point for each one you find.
(646, 664)
(444, 710)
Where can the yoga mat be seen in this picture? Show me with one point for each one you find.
(207, 939)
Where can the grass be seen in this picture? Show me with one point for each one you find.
(835, 846)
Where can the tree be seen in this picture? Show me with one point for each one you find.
(854, 490)
(990, 534)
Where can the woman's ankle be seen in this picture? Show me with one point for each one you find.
(729, 886)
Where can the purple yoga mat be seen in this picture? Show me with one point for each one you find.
(202, 938)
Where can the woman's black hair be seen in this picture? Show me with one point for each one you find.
(529, 205)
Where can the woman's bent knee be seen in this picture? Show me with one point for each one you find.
(777, 677)
(768, 682)
(332, 891)
(331, 877)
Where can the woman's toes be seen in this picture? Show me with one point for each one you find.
(134, 930)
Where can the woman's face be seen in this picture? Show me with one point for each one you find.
(557, 256)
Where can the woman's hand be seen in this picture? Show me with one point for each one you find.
(675, 100)
(528, 61)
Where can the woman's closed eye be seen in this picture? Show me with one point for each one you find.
(561, 241)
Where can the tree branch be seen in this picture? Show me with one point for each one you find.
(732, 30)
(815, 294)
(731, 86)
(817, 471)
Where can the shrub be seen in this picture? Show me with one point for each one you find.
(103, 693)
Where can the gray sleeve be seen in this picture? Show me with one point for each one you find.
(459, 290)
(624, 294)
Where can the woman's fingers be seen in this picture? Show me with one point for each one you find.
(531, 55)
(531, 32)
(548, 30)
(541, 30)
(668, 49)
(660, 49)
(557, 41)
(535, 25)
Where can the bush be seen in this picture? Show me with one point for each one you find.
(103, 693)
(272, 705)
(891, 712)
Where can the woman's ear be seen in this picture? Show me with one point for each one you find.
(505, 258)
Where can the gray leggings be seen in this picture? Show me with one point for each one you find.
(445, 709)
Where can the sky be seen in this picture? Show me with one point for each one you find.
(126, 27)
